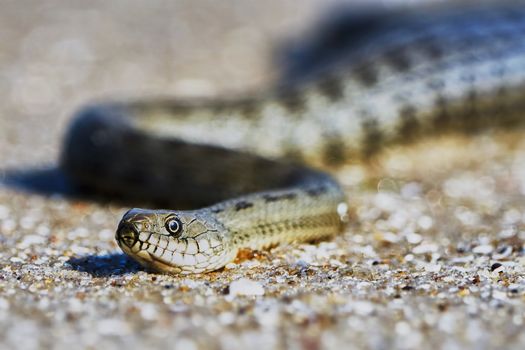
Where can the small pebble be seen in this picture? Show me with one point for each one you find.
(363, 308)
(414, 238)
(495, 267)
(246, 287)
(432, 268)
(502, 252)
(483, 249)
(425, 248)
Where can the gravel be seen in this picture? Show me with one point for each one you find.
(433, 257)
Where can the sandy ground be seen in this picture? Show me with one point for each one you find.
(434, 255)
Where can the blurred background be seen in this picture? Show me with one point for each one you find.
(56, 56)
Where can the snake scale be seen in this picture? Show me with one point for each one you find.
(356, 87)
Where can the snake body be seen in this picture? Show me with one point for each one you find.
(398, 76)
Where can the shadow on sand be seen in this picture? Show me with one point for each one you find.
(52, 181)
(46, 181)
(105, 265)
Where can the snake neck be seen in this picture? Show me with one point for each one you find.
(305, 211)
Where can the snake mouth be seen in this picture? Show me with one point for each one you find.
(158, 260)
(127, 234)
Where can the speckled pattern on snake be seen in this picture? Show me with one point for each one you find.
(360, 84)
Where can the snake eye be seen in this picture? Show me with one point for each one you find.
(173, 226)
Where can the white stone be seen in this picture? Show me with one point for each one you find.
(425, 248)
(414, 238)
(432, 268)
(483, 249)
(245, 286)
(363, 308)
(500, 295)
(30, 240)
(149, 311)
(230, 266)
(79, 250)
(425, 222)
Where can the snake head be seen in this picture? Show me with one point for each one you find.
(174, 241)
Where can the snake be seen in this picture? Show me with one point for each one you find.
(255, 171)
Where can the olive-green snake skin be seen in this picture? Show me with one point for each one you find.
(394, 78)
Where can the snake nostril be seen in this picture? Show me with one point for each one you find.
(127, 234)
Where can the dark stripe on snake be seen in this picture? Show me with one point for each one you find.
(274, 198)
(243, 205)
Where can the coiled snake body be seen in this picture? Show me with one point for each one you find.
(395, 76)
